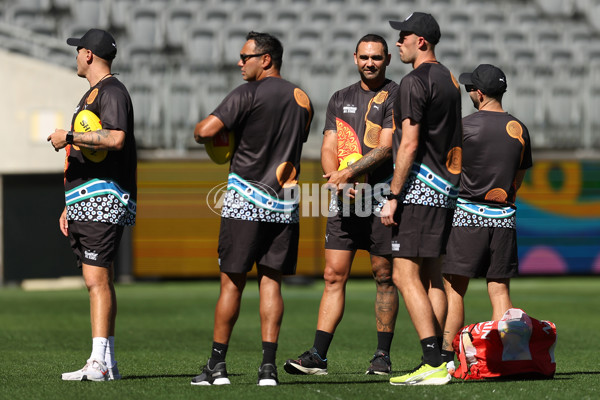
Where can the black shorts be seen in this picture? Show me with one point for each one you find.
(482, 252)
(358, 233)
(422, 231)
(243, 243)
(95, 243)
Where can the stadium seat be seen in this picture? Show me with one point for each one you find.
(359, 15)
(94, 13)
(61, 55)
(203, 46)
(564, 114)
(480, 38)
(215, 15)
(298, 53)
(145, 28)
(524, 100)
(281, 30)
(119, 12)
(322, 17)
(21, 15)
(178, 21)
(41, 5)
(233, 40)
(61, 5)
(492, 18)
(17, 46)
(254, 15)
(146, 100)
(292, 16)
(181, 113)
(451, 55)
(556, 8)
(525, 17)
(591, 136)
(485, 54)
(318, 82)
(340, 44)
(212, 89)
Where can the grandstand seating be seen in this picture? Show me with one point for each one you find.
(179, 56)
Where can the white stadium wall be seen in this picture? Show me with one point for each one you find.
(37, 98)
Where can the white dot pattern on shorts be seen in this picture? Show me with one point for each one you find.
(465, 218)
(235, 206)
(417, 192)
(104, 208)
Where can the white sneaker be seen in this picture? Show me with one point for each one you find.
(113, 373)
(94, 370)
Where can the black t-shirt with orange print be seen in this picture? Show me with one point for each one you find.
(358, 116)
(496, 146)
(271, 120)
(100, 185)
(430, 96)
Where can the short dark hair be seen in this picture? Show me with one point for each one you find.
(371, 37)
(269, 44)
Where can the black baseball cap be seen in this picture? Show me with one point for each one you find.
(100, 42)
(487, 78)
(421, 24)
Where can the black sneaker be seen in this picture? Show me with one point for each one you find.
(380, 364)
(267, 375)
(215, 376)
(309, 363)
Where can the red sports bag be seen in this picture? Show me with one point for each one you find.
(515, 345)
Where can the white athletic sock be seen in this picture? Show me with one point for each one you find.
(99, 345)
(109, 356)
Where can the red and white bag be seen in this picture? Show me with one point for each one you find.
(517, 344)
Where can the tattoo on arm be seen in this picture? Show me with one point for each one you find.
(96, 140)
(374, 158)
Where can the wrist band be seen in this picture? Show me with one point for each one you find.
(70, 137)
(393, 196)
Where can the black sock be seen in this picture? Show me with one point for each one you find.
(447, 356)
(384, 341)
(269, 351)
(440, 342)
(431, 351)
(219, 351)
(322, 341)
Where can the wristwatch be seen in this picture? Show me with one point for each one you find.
(70, 137)
(393, 196)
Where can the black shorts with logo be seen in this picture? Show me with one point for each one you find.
(358, 233)
(482, 252)
(244, 243)
(95, 243)
(422, 231)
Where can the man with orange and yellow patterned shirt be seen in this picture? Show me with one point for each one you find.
(359, 125)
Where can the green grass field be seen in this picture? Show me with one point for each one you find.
(164, 332)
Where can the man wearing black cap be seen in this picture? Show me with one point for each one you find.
(100, 192)
(424, 188)
(483, 243)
